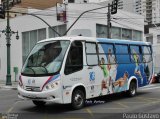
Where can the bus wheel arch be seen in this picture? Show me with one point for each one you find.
(132, 87)
(39, 103)
(78, 97)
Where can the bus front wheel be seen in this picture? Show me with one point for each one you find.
(132, 89)
(78, 99)
(39, 103)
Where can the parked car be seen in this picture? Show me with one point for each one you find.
(157, 78)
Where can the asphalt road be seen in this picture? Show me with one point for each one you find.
(145, 105)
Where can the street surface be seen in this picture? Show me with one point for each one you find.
(115, 106)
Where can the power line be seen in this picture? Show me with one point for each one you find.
(126, 18)
(122, 24)
(134, 4)
(131, 22)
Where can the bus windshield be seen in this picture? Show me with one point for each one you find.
(45, 59)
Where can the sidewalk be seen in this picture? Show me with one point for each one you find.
(4, 86)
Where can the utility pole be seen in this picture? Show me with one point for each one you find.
(112, 9)
(109, 21)
(8, 39)
(8, 32)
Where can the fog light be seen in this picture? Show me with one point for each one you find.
(52, 86)
(47, 87)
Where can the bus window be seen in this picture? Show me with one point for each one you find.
(122, 54)
(106, 53)
(74, 60)
(147, 54)
(147, 58)
(136, 56)
(45, 58)
(91, 54)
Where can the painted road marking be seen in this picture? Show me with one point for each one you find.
(110, 108)
(151, 88)
(89, 112)
(144, 99)
(154, 99)
(122, 105)
(134, 102)
(11, 108)
(151, 103)
(63, 118)
(151, 85)
(7, 96)
(3, 89)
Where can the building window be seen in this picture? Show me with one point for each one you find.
(158, 38)
(70, 1)
(137, 35)
(61, 29)
(25, 45)
(149, 39)
(29, 39)
(33, 38)
(101, 31)
(41, 34)
(127, 34)
(116, 33)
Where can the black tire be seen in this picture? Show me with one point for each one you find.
(132, 89)
(39, 103)
(158, 80)
(78, 99)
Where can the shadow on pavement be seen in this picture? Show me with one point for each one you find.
(64, 108)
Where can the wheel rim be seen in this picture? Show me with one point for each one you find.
(78, 100)
(133, 90)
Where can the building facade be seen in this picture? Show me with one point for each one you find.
(150, 9)
(154, 37)
(134, 6)
(93, 24)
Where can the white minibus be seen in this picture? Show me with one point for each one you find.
(72, 69)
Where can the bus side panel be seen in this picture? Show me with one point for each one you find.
(70, 82)
(125, 67)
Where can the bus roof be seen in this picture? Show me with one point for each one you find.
(121, 41)
(93, 39)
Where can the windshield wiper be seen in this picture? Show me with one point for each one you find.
(32, 70)
(45, 69)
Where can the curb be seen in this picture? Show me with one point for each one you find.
(8, 87)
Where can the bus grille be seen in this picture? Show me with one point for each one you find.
(34, 89)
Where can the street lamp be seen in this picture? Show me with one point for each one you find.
(8, 32)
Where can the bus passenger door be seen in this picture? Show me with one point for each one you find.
(73, 71)
(93, 71)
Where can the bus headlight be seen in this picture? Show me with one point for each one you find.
(51, 85)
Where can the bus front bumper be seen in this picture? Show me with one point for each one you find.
(47, 96)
